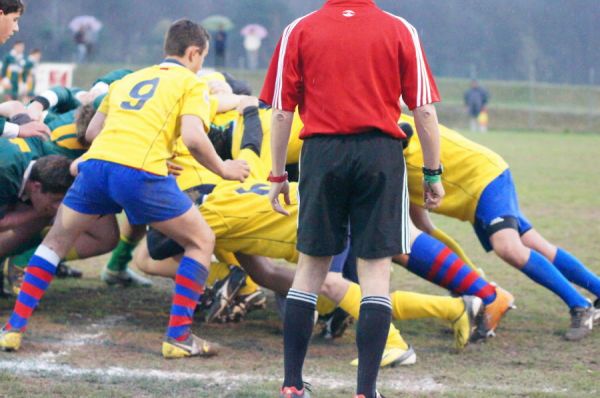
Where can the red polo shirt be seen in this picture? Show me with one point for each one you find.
(346, 66)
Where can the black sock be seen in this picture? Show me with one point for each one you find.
(371, 336)
(297, 329)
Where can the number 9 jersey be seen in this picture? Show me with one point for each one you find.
(143, 116)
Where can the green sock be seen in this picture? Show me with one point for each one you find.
(22, 259)
(122, 255)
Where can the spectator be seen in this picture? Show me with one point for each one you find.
(12, 69)
(476, 99)
(220, 47)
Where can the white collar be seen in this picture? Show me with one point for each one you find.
(22, 195)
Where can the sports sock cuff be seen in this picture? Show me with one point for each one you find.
(193, 270)
(380, 301)
(304, 297)
(47, 254)
(128, 241)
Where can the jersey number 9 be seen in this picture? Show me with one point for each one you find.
(141, 92)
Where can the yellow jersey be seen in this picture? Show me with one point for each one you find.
(242, 219)
(143, 112)
(294, 144)
(468, 169)
(193, 173)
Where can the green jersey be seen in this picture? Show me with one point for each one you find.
(17, 155)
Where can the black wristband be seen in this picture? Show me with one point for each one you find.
(433, 172)
(45, 103)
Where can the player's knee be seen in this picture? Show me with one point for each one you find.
(514, 253)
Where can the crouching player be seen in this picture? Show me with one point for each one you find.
(132, 135)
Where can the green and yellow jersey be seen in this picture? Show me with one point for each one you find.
(17, 154)
(143, 113)
(468, 169)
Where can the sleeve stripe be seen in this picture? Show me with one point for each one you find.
(423, 84)
(277, 102)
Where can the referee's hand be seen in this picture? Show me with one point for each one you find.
(276, 189)
(433, 194)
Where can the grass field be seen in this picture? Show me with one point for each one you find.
(87, 340)
(514, 105)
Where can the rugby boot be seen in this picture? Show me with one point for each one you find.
(336, 324)
(245, 304)
(125, 278)
(597, 311)
(493, 313)
(10, 340)
(226, 291)
(14, 275)
(582, 322)
(465, 325)
(64, 271)
(191, 347)
(393, 357)
(293, 392)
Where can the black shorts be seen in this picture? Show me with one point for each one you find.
(358, 179)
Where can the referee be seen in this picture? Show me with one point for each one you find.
(345, 67)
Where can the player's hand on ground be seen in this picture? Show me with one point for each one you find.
(433, 194)
(174, 170)
(278, 188)
(246, 101)
(34, 129)
(237, 170)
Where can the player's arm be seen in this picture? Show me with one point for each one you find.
(18, 217)
(420, 218)
(429, 136)
(13, 130)
(196, 140)
(57, 97)
(95, 126)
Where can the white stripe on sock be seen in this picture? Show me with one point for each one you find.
(47, 254)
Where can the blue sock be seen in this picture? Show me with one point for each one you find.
(576, 272)
(543, 272)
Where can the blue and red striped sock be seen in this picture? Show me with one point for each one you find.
(189, 286)
(38, 275)
(432, 260)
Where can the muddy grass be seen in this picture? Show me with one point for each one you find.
(88, 340)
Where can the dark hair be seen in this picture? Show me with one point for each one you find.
(35, 51)
(183, 34)
(16, 43)
(53, 173)
(408, 131)
(11, 6)
(82, 121)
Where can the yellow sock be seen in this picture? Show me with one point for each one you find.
(455, 247)
(249, 288)
(72, 255)
(216, 272)
(325, 306)
(351, 304)
(408, 305)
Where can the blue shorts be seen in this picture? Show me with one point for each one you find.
(497, 202)
(107, 188)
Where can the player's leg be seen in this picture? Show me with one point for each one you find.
(191, 232)
(570, 266)
(432, 260)
(68, 225)
(508, 246)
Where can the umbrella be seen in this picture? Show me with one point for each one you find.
(86, 22)
(217, 22)
(254, 29)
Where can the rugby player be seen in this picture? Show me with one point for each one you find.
(132, 135)
(481, 191)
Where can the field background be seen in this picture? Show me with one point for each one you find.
(87, 340)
